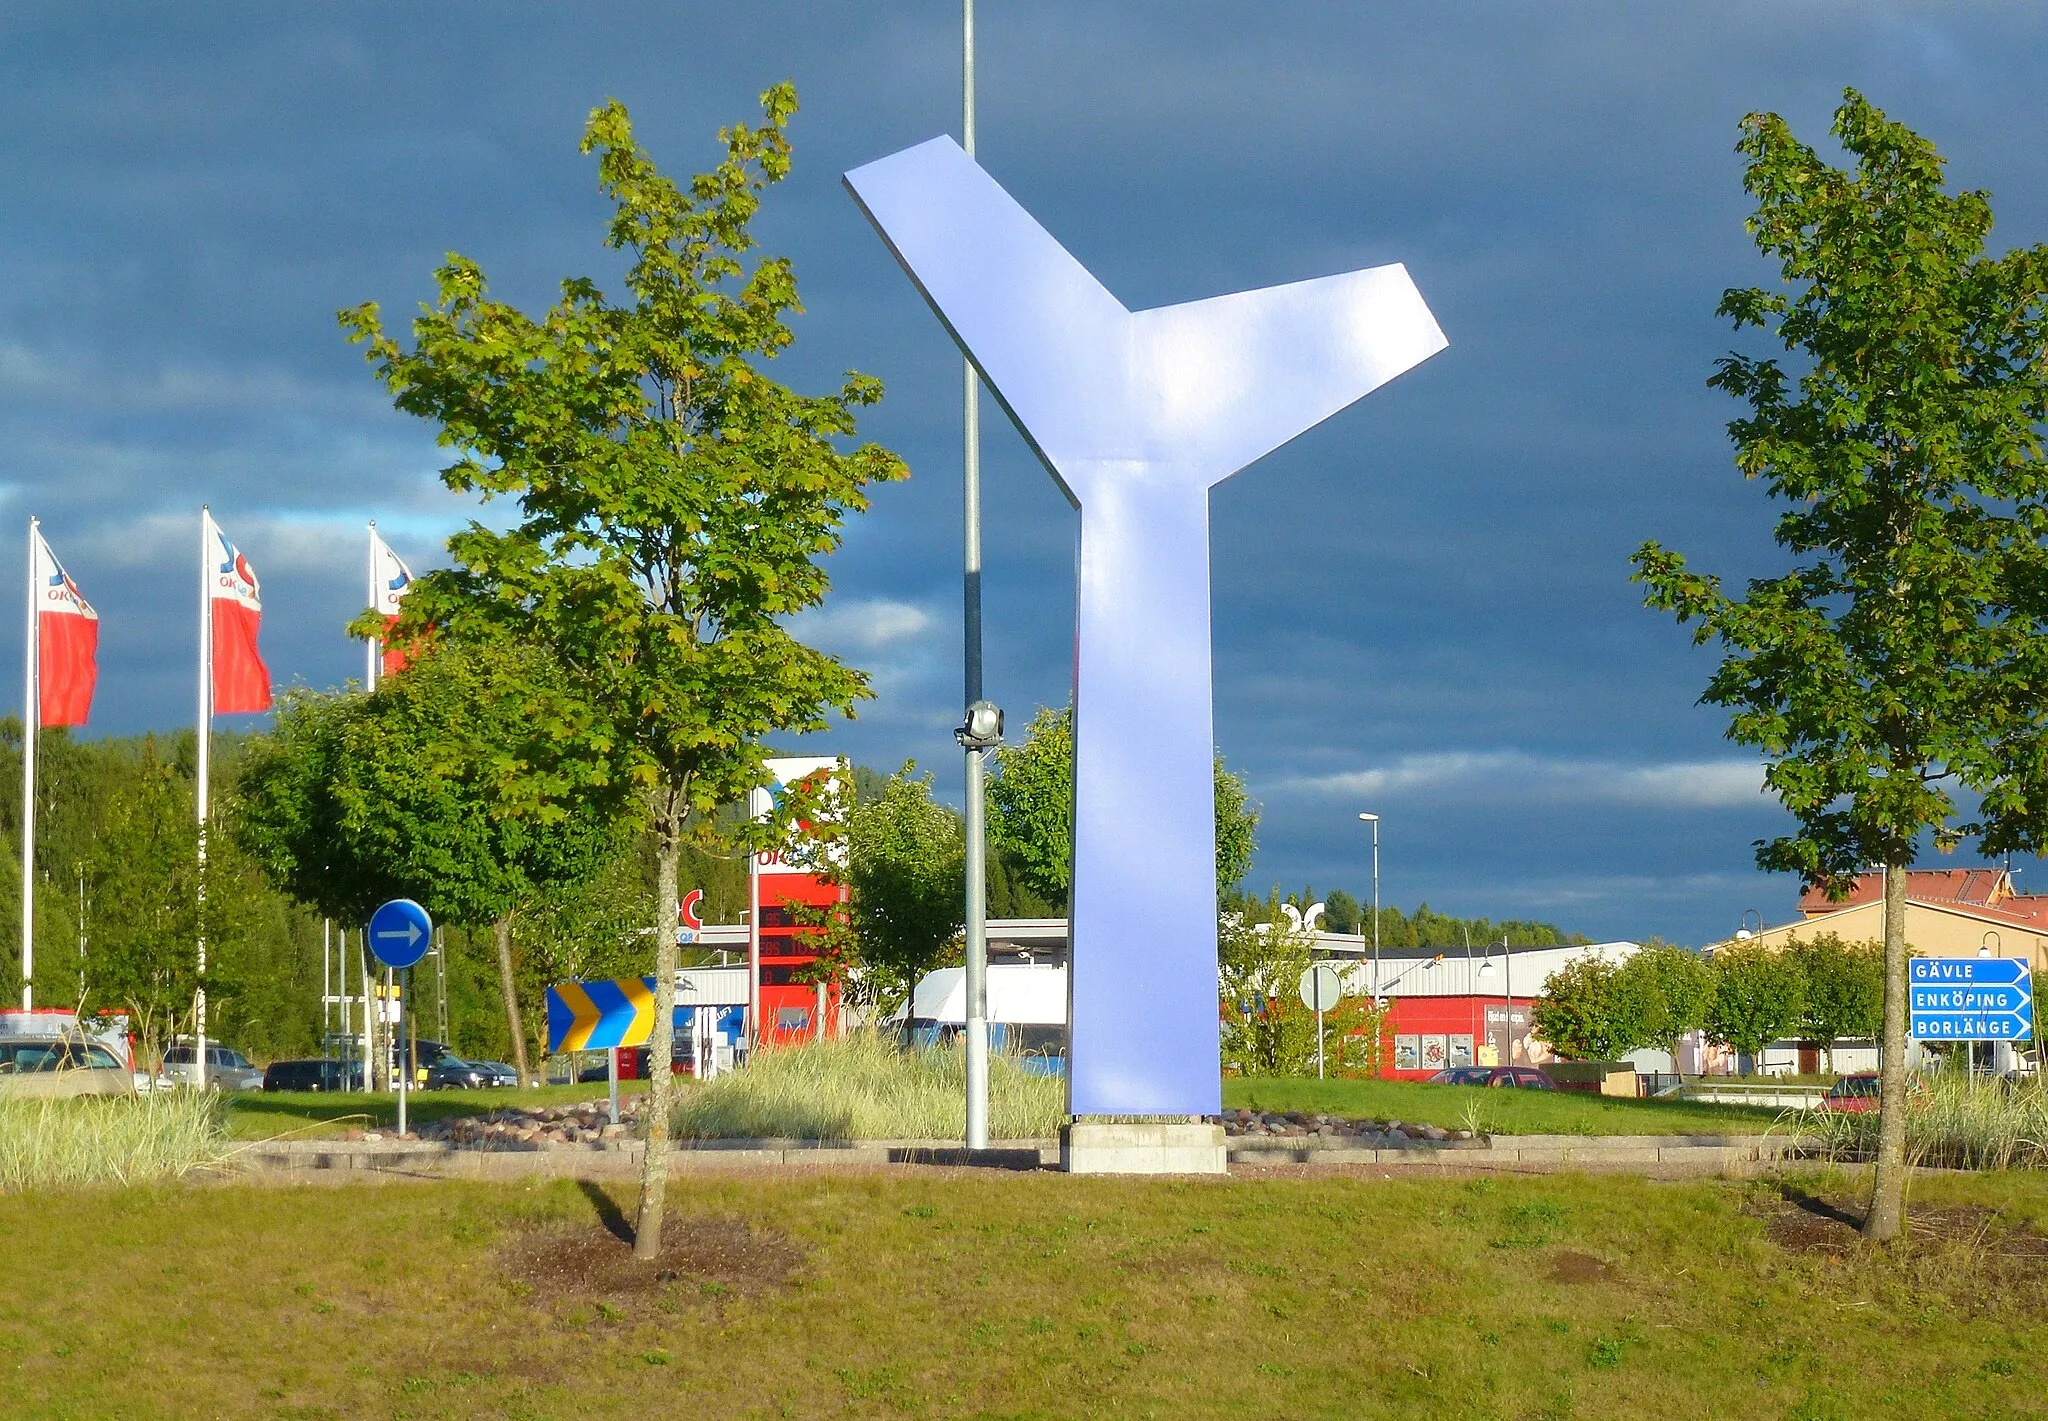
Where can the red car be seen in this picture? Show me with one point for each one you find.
(1853, 1095)
(1514, 1077)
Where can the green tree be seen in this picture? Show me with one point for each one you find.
(426, 789)
(673, 501)
(143, 958)
(905, 873)
(1901, 657)
(1680, 987)
(1259, 961)
(1758, 997)
(1596, 1010)
(1031, 811)
(1844, 990)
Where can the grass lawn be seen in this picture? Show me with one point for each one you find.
(258, 1115)
(1503, 1112)
(944, 1294)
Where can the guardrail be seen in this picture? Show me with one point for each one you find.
(1781, 1097)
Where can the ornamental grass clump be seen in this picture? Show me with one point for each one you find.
(864, 1087)
(1952, 1122)
(55, 1144)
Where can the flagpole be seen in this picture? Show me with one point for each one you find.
(206, 555)
(371, 647)
(31, 717)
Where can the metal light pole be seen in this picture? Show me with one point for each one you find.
(1374, 820)
(974, 737)
(1508, 1021)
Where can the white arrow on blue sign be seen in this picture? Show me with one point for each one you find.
(1968, 971)
(1971, 998)
(400, 932)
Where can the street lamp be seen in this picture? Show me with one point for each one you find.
(1486, 970)
(1374, 820)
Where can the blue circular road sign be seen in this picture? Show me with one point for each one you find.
(400, 932)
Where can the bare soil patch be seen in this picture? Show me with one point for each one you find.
(1571, 1266)
(1808, 1224)
(711, 1255)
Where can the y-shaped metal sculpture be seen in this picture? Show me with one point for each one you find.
(1137, 415)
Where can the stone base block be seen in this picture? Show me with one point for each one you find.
(1161, 1147)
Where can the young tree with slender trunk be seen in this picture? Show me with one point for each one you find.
(673, 502)
(1902, 657)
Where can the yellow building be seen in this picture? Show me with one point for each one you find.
(1950, 912)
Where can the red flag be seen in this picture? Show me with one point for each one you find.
(67, 644)
(241, 682)
(389, 579)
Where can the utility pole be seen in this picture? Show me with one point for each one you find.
(976, 735)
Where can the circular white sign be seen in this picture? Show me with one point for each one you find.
(1321, 987)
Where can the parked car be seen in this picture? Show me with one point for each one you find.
(1516, 1077)
(1853, 1095)
(42, 1067)
(321, 1074)
(453, 1073)
(226, 1068)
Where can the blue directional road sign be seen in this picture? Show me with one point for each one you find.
(400, 932)
(1971, 998)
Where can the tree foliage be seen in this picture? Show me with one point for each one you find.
(116, 819)
(673, 501)
(1900, 660)
(1844, 995)
(1759, 995)
(415, 790)
(1596, 1010)
(1680, 987)
(904, 868)
(425, 789)
(1425, 927)
(1031, 811)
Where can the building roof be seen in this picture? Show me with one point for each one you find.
(1982, 892)
(1972, 887)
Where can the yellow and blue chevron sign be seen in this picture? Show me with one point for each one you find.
(594, 1016)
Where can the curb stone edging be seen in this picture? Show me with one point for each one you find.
(433, 1158)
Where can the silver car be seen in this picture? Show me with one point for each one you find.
(41, 1068)
(226, 1068)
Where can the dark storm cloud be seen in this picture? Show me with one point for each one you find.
(1421, 607)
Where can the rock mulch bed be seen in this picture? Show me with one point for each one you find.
(587, 1123)
(1368, 1134)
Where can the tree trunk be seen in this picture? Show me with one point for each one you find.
(661, 1045)
(1888, 1189)
(502, 931)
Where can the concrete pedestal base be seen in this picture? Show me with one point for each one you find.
(1165, 1147)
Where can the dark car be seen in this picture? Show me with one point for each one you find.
(313, 1075)
(1518, 1077)
(453, 1073)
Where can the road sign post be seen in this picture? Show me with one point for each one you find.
(1321, 989)
(1971, 998)
(399, 933)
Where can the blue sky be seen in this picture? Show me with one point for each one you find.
(1421, 607)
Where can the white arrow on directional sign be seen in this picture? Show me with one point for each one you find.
(399, 933)
(1971, 999)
